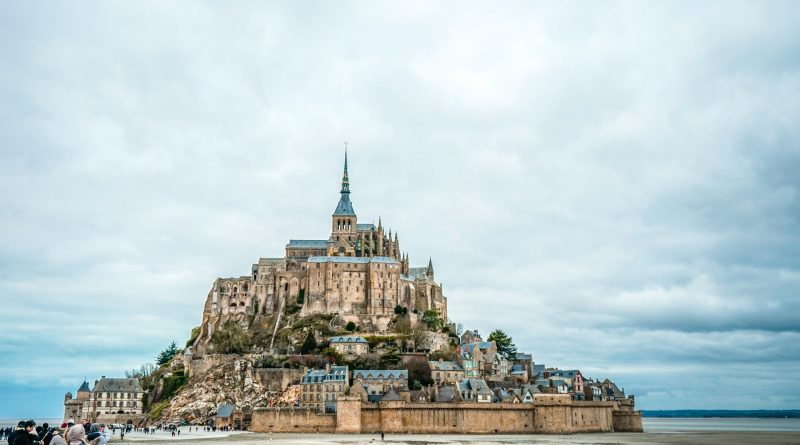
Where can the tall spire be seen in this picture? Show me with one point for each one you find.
(345, 207)
(345, 179)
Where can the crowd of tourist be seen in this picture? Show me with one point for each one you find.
(68, 433)
(86, 433)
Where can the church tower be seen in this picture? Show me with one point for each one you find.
(343, 227)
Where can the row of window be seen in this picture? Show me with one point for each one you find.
(113, 404)
(118, 395)
(311, 398)
(318, 387)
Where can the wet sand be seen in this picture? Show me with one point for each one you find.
(677, 438)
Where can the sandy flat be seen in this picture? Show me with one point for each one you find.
(694, 438)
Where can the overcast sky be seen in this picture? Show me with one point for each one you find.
(614, 184)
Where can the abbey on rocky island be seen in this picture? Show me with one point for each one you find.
(359, 273)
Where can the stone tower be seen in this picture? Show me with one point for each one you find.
(343, 226)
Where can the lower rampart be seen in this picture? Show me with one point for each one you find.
(292, 420)
(549, 414)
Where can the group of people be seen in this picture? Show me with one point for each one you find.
(68, 433)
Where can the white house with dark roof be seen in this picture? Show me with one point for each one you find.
(378, 382)
(444, 371)
(321, 387)
(109, 399)
(349, 344)
(475, 390)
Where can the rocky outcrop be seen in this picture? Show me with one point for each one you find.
(234, 382)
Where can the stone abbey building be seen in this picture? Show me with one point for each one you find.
(358, 272)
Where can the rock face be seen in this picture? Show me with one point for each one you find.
(234, 382)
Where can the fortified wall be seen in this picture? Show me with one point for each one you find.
(549, 414)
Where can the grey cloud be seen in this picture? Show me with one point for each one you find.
(613, 185)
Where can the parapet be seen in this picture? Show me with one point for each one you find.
(552, 399)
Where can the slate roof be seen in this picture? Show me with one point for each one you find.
(345, 207)
(336, 374)
(523, 356)
(533, 389)
(225, 411)
(421, 394)
(122, 385)
(84, 387)
(395, 374)
(446, 394)
(348, 339)
(445, 365)
(391, 396)
(308, 243)
(365, 227)
(517, 370)
(352, 259)
(571, 373)
(417, 272)
(478, 386)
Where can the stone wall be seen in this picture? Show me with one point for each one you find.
(292, 420)
(277, 379)
(447, 418)
(549, 414)
(628, 421)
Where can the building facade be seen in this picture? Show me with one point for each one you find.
(444, 371)
(349, 344)
(111, 398)
(358, 272)
(320, 388)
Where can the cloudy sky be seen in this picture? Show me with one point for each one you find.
(614, 184)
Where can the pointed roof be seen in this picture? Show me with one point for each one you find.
(345, 207)
(391, 396)
(84, 387)
(429, 270)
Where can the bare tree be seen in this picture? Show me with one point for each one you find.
(418, 335)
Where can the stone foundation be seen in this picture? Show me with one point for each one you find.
(549, 414)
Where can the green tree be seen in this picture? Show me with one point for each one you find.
(350, 326)
(332, 355)
(310, 345)
(400, 310)
(505, 345)
(231, 339)
(432, 320)
(166, 355)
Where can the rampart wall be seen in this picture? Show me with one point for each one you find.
(292, 420)
(549, 414)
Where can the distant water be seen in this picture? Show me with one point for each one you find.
(13, 422)
(673, 425)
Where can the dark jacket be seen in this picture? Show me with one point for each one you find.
(24, 438)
